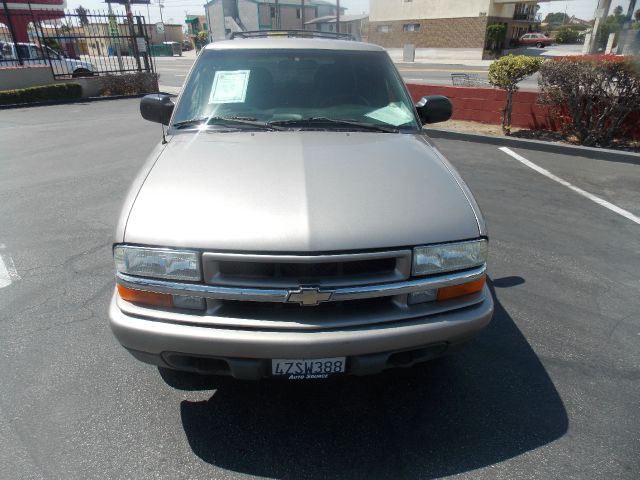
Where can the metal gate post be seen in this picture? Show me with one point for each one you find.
(12, 32)
(134, 43)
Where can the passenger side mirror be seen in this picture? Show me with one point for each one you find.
(157, 107)
(434, 109)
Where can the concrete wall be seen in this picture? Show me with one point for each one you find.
(248, 12)
(23, 77)
(390, 10)
(461, 32)
(485, 105)
(216, 20)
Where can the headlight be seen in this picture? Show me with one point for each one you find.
(158, 263)
(448, 257)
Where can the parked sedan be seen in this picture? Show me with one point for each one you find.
(540, 40)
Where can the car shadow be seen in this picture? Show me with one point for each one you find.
(491, 401)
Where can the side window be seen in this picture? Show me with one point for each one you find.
(36, 53)
(23, 50)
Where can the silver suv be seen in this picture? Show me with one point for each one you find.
(297, 222)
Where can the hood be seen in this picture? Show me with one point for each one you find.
(299, 192)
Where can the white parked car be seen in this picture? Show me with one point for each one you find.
(33, 54)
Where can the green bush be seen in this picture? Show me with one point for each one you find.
(592, 96)
(495, 36)
(60, 91)
(567, 35)
(506, 73)
(129, 84)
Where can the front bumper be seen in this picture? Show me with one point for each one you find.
(245, 353)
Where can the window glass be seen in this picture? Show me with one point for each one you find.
(296, 85)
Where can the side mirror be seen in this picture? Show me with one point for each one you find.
(434, 109)
(157, 107)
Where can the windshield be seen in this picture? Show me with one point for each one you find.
(289, 85)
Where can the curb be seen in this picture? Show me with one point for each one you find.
(70, 101)
(539, 145)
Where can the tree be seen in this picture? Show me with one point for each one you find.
(82, 15)
(567, 35)
(495, 36)
(506, 73)
(618, 11)
(556, 18)
(202, 38)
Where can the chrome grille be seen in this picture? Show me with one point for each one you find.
(293, 271)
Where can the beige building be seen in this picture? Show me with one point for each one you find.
(447, 23)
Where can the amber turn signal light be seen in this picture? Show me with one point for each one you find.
(145, 298)
(447, 293)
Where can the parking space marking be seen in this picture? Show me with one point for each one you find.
(8, 273)
(590, 196)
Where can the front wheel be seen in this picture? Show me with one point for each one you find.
(540, 45)
(82, 72)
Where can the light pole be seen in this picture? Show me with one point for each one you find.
(164, 30)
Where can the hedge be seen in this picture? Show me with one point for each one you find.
(129, 84)
(61, 91)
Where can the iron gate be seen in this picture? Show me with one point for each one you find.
(76, 44)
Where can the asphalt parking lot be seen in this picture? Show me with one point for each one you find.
(549, 390)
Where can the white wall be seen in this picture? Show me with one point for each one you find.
(248, 14)
(386, 10)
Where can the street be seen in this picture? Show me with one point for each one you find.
(550, 390)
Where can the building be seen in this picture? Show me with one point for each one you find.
(448, 24)
(356, 25)
(226, 16)
(195, 25)
(16, 16)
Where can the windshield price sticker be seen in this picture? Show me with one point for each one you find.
(229, 87)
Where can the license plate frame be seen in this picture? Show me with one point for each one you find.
(308, 369)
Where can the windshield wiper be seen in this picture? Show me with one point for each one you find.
(250, 121)
(376, 127)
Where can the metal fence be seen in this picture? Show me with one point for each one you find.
(76, 45)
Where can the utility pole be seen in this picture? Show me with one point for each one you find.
(277, 16)
(338, 17)
(132, 33)
(302, 15)
(601, 15)
(161, 7)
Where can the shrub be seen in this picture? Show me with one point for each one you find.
(567, 35)
(593, 95)
(495, 36)
(506, 73)
(129, 84)
(60, 91)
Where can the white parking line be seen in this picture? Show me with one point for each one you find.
(8, 273)
(590, 196)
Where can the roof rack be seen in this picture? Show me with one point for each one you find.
(291, 34)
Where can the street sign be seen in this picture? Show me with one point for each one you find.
(160, 28)
(113, 26)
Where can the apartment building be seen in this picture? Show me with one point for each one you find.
(226, 16)
(447, 24)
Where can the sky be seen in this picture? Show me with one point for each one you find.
(174, 11)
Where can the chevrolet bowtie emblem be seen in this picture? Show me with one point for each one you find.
(309, 297)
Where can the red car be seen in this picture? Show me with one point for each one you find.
(538, 39)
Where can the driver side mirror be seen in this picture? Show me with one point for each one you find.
(157, 107)
(434, 109)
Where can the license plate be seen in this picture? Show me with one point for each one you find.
(307, 369)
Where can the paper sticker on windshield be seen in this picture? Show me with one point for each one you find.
(230, 87)
(393, 114)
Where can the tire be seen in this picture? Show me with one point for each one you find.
(540, 45)
(82, 72)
